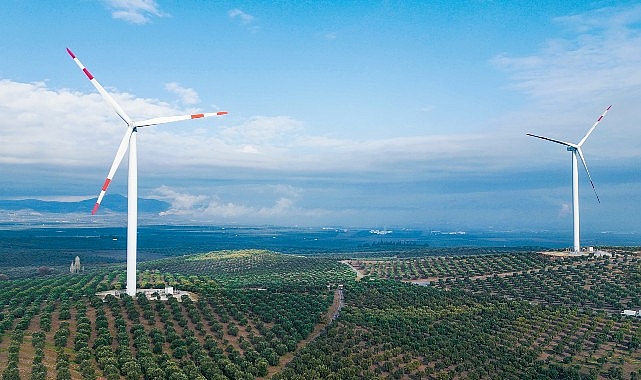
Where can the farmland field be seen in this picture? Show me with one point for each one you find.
(256, 314)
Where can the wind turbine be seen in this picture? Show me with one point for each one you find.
(129, 142)
(576, 154)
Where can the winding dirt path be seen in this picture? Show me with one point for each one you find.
(331, 314)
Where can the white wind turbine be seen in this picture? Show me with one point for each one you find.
(129, 142)
(576, 154)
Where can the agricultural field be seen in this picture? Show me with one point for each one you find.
(605, 283)
(397, 330)
(252, 311)
(259, 314)
(546, 317)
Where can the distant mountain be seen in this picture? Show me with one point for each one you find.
(114, 203)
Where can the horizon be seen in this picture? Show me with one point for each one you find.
(371, 114)
(446, 235)
(189, 239)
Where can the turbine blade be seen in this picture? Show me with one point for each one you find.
(553, 140)
(122, 149)
(169, 119)
(105, 95)
(594, 126)
(587, 171)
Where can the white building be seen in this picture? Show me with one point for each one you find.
(75, 266)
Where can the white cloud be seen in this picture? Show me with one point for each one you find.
(249, 149)
(40, 125)
(210, 206)
(245, 19)
(227, 210)
(134, 11)
(61, 129)
(232, 211)
(263, 130)
(601, 60)
(331, 36)
(281, 207)
(565, 210)
(188, 96)
(179, 201)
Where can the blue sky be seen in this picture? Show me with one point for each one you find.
(373, 114)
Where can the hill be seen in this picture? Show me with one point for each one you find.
(115, 203)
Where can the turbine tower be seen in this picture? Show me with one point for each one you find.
(129, 143)
(576, 154)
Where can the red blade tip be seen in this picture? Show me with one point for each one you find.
(95, 209)
(71, 53)
(87, 73)
(221, 113)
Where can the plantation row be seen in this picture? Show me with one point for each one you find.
(451, 266)
(254, 268)
(386, 250)
(605, 284)
(598, 283)
(56, 328)
(396, 330)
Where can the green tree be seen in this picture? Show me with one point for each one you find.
(131, 370)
